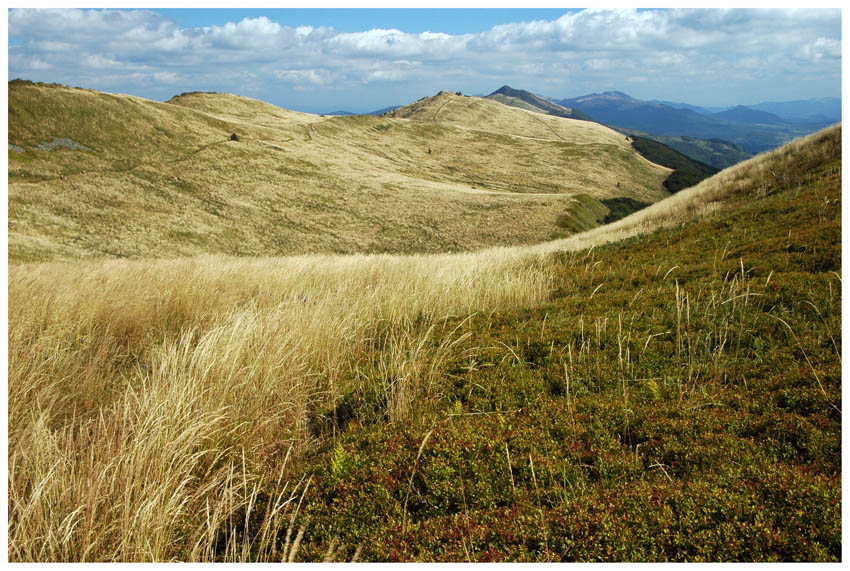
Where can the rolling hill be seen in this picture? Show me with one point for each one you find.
(94, 174)
(664, 388)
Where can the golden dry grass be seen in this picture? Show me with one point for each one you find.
(151, 400)
(164, 179)
(138, 389)
(491, 115)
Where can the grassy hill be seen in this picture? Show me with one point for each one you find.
(101, 175)
(492, 116)
(667, 387)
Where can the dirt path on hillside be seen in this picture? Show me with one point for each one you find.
(545, 124)
(425, 184)
(440, 108)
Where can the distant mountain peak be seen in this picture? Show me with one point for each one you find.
(505, 90)
(529, 101)
(606, 96)
(618, 94)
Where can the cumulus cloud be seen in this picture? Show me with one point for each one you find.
(580, 48)
(39, 64)
(306, 76)
(249, 34)
(166, 77)
(100, 62)
(397, 44)
(821, 48)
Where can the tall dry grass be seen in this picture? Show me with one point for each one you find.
(148, 401)
(152, 403)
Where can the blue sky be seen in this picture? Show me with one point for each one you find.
(321, 60)
(415, 21)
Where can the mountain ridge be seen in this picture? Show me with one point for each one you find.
(618, 109)
(527, 100)
(747, 115)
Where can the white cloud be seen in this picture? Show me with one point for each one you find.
(250, 33)
(100, 62)
(601, 64)
(396, 44)
(166, 77)
(821, 48)
(386, 75)
(49, 46)
(593, 47)
(315, 77)
(175, 42)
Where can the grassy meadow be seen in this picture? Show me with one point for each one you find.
(666, 387)
(166, 180)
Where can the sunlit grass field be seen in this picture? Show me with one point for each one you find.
(673, 395)
(166, 180)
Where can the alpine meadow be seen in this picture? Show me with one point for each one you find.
(467, 329)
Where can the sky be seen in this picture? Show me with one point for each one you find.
(360, 60)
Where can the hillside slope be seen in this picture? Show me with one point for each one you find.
(94, 174)
(678, 398)
(674, 395)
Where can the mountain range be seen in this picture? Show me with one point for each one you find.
(719, 137)
(754, 130)
(803, 110)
